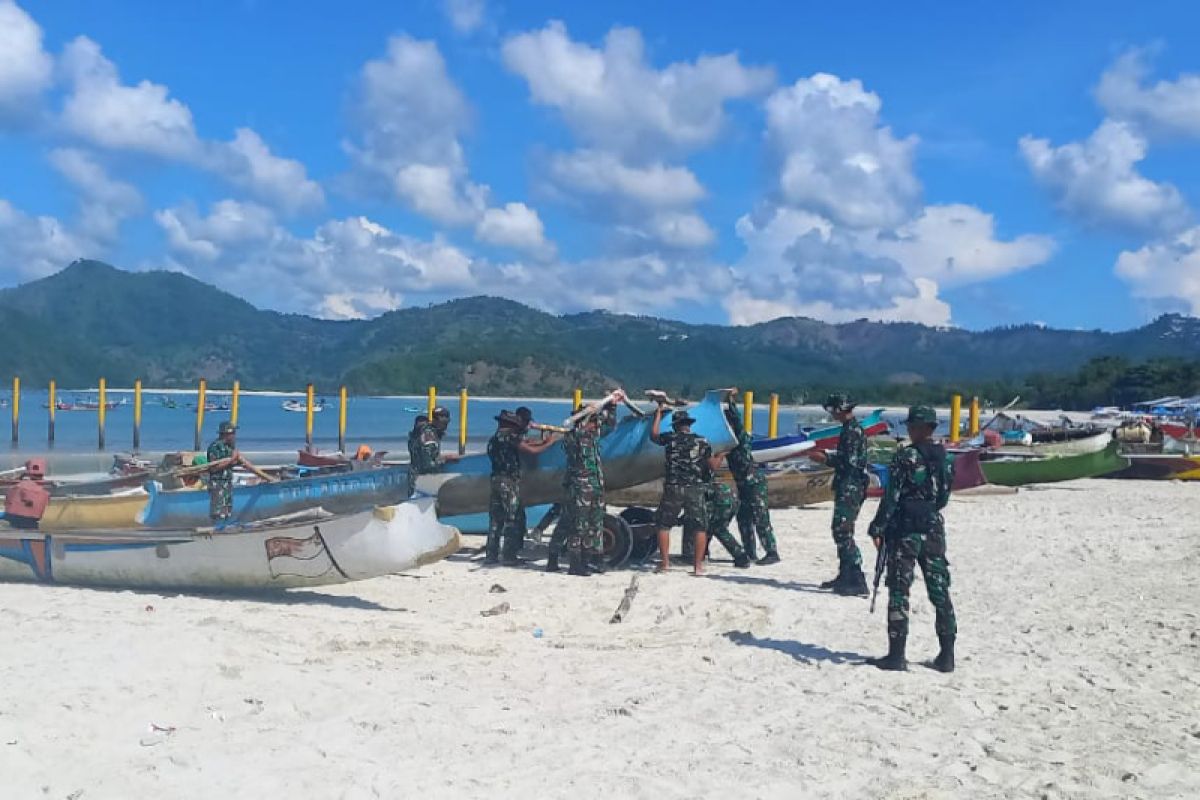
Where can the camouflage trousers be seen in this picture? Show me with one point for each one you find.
(581, 527)
(505, 517)
(220, 500)
(722, 508)
(847, 501)
(753, 515)
(905, 553)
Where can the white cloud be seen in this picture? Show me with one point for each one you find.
(1166, 271)
(36, 246)
(104, 202)
(836, 158)
(247, 162)
(517, 226)
(1097, 182)
(613, 99)
(924, 307)
(466, 16)
(229, 225)
(602, 174)
(25, 68)
(955, 245)
(436, 192)
(358, 305)
(1167, 108)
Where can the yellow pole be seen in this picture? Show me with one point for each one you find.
(955, 416)
(577, 400)
(748, 413)
(462, 421)
(16, 409)
(432, 401)
(53, 407)
(773, 420)
(308, 415)
(201, 399)
(342, 419)
(137, 415)
(235, 403)
(973, 424)
(102, 411)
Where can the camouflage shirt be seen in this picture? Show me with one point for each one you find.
(504, 454)
(850, 461)
(218, 451)
(919, 482)
(583, 452)
(687, 458)
(425, 449)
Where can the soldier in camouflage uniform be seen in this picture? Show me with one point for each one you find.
(909, 524)
(504, 508)
(223, 456)
(685, 486)
(425, 443)
(754, 513)
(582, 525)
(722, 508)
(849, 463)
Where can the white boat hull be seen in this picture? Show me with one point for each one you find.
(279, 555)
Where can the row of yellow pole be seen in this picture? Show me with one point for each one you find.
(956, 417)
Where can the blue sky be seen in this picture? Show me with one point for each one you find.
(974, 164)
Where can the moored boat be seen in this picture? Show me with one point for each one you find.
(1160, 466)
(280, 554)
(779, 448)
(1063, 447)
(786, 488)
(826, 437)
(1022, 470)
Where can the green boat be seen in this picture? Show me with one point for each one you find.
(1019, 471)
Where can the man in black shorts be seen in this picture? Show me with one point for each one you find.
(685, 486)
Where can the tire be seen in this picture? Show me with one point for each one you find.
(645, 534)
(618, 541)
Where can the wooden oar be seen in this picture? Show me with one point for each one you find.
(996, 416)
(611, 397)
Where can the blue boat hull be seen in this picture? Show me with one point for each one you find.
(478, 523)
(339, 493)
(628, 455)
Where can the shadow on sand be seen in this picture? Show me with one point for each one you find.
(752, 580)
(801, 651)
(282, 597)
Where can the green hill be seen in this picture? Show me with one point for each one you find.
(92, 319)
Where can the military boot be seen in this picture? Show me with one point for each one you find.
(836, 581)
(770, 558)
(552, 562)
(854, 584)
(894, 660)
(741, 561)
(576, 565)
(492, 551)
(595, 563)
(945, 658)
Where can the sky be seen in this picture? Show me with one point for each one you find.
(960, 164)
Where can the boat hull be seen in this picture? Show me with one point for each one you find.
(340, 492)
(788, 488)
(1068, 447)
(1019, 472)
(1160, 467)
(628, 455)
(780, 448)
(82, 513)
(318, 552)
(826, 438)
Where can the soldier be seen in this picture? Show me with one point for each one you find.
(425, 443)
(909, 525)
(223, 456)
(504, 509)
(582, 523)
(685, 486)
(849, 490)
(722, 508)
(753, 511)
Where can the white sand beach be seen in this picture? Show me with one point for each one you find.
(1078, 676)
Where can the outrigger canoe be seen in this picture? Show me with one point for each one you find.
(628, 455)
(264, 556)
(1160, 466)
(826, 438)
(1019, 471)
(786, 488)
(780, 448)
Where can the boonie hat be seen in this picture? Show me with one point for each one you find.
(681, 417)
(839, 402)
(226, 427)
(924, 414)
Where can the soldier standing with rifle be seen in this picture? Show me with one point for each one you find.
(849, 490)
(909, 530)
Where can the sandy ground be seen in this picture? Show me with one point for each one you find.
(1078, 677)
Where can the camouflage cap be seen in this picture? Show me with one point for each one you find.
(924, 414)
(226, 427)
(441, 412)
(681, 417)
(839, 402)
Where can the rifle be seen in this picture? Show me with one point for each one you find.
(880, 566)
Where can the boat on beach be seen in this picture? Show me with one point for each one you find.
(826, 436)
(1015, 470)
(278, 554)
(787, 487)
(780, 448)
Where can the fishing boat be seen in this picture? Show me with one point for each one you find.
(81, 512)
(336, 492)
(1160, 466)
(785, 489)
(300, 406)
(1065, 447)
(1178, 430)
(779, 448)
(307, 458)
(1010, 470)
(628, 455)
(279, 554)
(826, 437)
(967, 471)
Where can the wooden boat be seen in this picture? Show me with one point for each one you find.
(1178, 430)
(1021, 470)
(1065, 447)
(100, 486)
(1160, 466)
(780, 448)
(306, 458)
(336, 492)
(826, 437)
(300, 407)
(629, 458)
(72, 513)
(271, 555)
(967, 471)
(786, 488)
